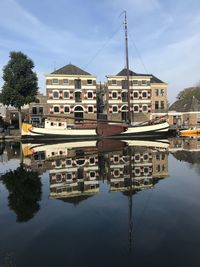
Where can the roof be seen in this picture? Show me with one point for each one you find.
(131, 73)
(70, 70)
(186, 105)
(154, 79)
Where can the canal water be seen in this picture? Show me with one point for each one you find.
(111, 203)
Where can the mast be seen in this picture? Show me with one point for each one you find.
(127, 68)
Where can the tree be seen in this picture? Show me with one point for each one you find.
(20, 82)
(189, 93)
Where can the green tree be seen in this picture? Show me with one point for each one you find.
(20, 82)
(190, 92)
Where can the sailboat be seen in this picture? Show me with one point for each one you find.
(59, 129)
(152, 129)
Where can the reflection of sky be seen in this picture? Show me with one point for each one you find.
(86, 33)
(96, 231)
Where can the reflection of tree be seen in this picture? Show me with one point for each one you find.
(24, 192)
(188, 156)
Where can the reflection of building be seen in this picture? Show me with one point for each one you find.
(185, 149)
(75, 170)
(75, 175)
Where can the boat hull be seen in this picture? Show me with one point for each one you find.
(135, 132)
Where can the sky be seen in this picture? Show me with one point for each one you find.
(164, 37)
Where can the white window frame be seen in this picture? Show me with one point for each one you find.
(146, 108)
(66, 80)
(58, 109)
(144, 91)
(115, 83)
(92, 109)
(137, 94)
(64, 94)
(113, 106)
(55, 91)
(92, 94)
(90, 83)
(64, 109)
(55, 82)
(114, 175)
(137, 110)
(116, 94)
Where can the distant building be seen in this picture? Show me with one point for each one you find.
(71, 91)
(185, 113)
(148, 95)
(38, 109)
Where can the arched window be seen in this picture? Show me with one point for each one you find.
(144, 94)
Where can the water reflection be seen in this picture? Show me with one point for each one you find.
(24, 189)
(79, 174)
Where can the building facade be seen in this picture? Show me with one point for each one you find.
(145, 92)
(71, 92)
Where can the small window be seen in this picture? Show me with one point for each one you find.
(116, 159)
(65, 81)
(55, 94)
(56, 109)
(114, 95)
(135, 82)
(89, 82)
(156, 92)
(162, 92)
(145, 157)
(92, 160)
(58, 178)
(156, 105)
(135, 94)
(144, 94)
(34, 110)
(90, 109)
(66, 109)
(137, 157)
(68, 162)
(59, 124)
(90, 95)
(66, 94)
(146, 170)
(69, 176)
(55, 81)
(116, 173)
(158, 156)
(114, 82)
(136, 108)
(144, 82)
(162, 104)
(92, 174)
(51, 123)
(144, 108)
(40, 110)
(114, 109)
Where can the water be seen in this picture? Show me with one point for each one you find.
(73, 204)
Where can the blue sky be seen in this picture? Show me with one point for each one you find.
(164, 37)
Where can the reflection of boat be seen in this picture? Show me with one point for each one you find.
(105, 145)
(190, 132)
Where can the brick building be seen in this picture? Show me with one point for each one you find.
(71, 91)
